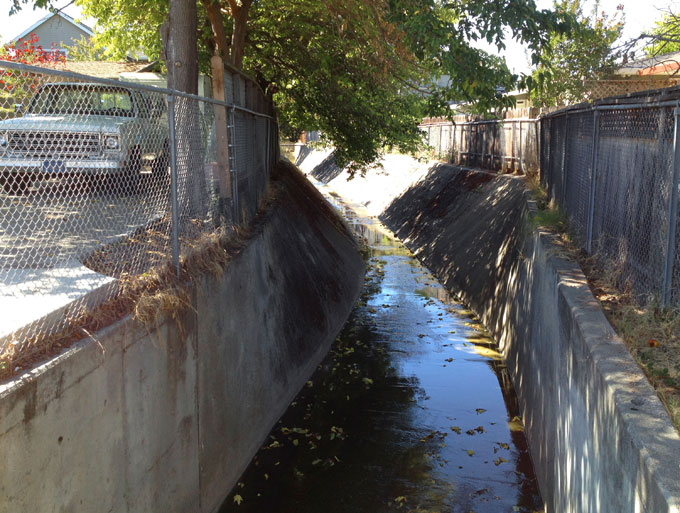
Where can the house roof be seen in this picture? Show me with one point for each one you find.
(667, 64)
(66, 17)
(98, 69)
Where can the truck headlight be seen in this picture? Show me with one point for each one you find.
(111, 142)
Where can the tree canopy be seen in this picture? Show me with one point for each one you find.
(572, 60)
(361, 71)
(664, 37)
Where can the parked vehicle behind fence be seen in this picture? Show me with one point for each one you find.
(107, 135)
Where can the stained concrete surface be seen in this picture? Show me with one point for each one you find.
(164, 419)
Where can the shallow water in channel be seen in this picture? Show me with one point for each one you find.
(412, 410)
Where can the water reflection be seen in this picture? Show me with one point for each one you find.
(412, 410)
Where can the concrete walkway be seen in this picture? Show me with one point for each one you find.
(30, 294)
(44, 235)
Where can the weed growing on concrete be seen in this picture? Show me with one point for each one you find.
(150, 297)
(550, 218)
(548, 214)
(538, 193)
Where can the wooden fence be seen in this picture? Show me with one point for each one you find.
(508, 145)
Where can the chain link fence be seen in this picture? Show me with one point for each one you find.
(613, 167)
(102, 181)
(501, 145)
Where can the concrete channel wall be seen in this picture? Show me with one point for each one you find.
(601, 441)
(166, 420)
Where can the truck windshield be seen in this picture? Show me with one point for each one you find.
(82, 99)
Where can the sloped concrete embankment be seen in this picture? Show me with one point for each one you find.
(601, 441)
(162, 421)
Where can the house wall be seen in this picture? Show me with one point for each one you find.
(56, 30)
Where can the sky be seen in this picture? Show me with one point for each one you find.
(640, 16)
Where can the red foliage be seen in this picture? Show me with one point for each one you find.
(22, 84)
(31, 52)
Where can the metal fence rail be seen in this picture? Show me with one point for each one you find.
(102, 181)
(614, 168)
(501, 144)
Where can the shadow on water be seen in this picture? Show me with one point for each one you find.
(412, 410)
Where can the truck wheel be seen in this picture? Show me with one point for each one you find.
(161, 164)
(129, 177)
(160, 172)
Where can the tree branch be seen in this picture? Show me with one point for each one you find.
(219, 35)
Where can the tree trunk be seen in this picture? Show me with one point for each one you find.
(219, 36)
(238, 38)
(181, 46)
(180, 34)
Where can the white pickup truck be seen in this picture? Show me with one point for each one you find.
(108, 134)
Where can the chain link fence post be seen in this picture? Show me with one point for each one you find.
(173, 183)
(453, 144)
(593, 182)
(267, 159)
(231, 128)
(440, 141)
(565, 162)
(672, 211)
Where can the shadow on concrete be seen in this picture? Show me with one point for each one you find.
(327, 171)
(600, 439)
(465, 225)
(305, 151)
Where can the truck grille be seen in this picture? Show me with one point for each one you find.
(54, 144)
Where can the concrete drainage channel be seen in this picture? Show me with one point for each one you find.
(166, 420)
(600, 439)
(411, 410)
